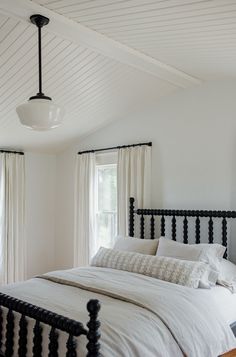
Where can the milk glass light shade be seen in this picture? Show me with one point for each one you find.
(40, 114)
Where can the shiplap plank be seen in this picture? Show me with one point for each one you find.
(54, 5)
(81, 75)
(91, 82)
(24, 63)
(13, 37)
(85, 78)
(3, 19)
(124, 7)
(46, 2)
(175, 26)
(221, 38)
(99, 91)
(22, 74)
(8, 26)
(69, 74)
(16, 50)
(117, 84)
(162, 19)
(179, 11)
(77, 77)
(152, 29)
(72, 5)
(173, 35)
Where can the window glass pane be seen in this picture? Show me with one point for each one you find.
(107, 187)
(106, 216)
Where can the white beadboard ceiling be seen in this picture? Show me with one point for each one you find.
(195, 36)
(103, 59)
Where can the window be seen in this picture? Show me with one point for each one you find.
(106, 203)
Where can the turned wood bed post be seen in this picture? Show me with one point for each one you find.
(131, 217)
(93, 335)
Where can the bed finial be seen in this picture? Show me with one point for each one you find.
(93, 334)
(131, 217)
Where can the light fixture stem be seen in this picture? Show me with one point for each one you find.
(40, 60)
(39, 21)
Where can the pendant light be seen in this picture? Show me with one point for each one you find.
(40, 112)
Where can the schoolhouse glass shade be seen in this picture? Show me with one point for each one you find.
(40, 114)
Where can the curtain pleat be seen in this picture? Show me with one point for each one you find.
(84, 238)
(12, 218)
(134, 180)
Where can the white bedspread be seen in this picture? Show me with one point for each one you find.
(140, 316)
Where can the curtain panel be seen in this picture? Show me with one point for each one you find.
(12, 218)
(84, 238)
(133, 180)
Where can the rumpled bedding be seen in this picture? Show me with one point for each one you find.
(140, 315)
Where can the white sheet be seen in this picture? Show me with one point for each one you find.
(148, 318)
(226, 302)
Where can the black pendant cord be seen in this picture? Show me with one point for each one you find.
(40, 61)
(40, 21)
(114, 148)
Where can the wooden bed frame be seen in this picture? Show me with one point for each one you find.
(148, 220)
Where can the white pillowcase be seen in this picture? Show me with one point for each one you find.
(182, 272)
(210, 254)
(138, 245)
(227, 275)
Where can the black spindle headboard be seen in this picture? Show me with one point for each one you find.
(173, 213)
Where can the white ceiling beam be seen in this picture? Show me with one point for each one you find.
(81, 35)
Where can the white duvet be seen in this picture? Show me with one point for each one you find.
(140, 316)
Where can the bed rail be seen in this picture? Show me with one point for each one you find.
(56, 323)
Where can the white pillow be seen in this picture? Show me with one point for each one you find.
(210, 254)
(182, 272)
(227, 275)
(138, 245)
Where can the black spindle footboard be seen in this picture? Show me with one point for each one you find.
(57, 323)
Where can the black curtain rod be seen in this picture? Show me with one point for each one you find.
(12, 152)
(114, 147)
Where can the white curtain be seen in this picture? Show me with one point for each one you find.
(12, 218)
(134, 180)
(84, 239)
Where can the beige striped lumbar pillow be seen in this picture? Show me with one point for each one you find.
(182, 272)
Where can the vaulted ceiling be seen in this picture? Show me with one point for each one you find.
(103, 59)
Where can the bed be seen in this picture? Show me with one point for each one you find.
(47, 316)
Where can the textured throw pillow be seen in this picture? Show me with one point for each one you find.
(210, 254)
(227, 275)
(131, 244)
(175, 271)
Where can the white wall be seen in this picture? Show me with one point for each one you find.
(64, 227)
(40, 212)
(194, 145)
